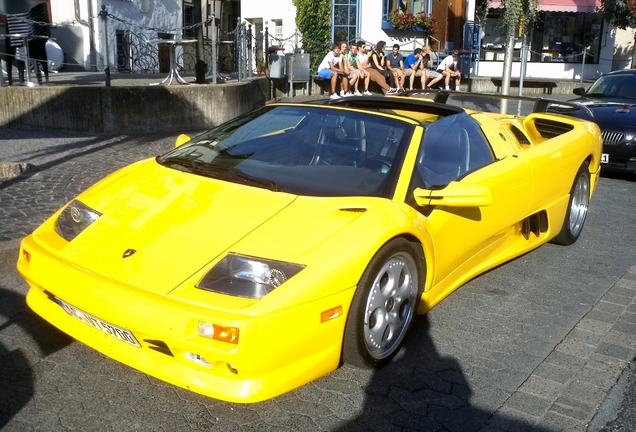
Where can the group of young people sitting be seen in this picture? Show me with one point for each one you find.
(353, 65)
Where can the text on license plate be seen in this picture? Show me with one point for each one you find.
(604, 158)
(116, 332)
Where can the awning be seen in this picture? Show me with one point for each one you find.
(561, 5)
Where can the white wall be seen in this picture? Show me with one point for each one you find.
(371, 29)
(74, 39)
(624, 49)
(264, 12)
(139, 15)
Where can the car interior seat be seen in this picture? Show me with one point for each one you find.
(342, 142)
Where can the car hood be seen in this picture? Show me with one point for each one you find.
(169, 223)
(609, 115)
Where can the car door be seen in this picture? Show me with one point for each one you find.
(470, 205)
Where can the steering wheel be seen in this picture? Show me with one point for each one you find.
(377, 164)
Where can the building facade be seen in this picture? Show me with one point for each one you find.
(79, 30)
(568, 41)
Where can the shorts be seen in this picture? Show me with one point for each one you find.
(410, 72)
(326, 74)
(353, 73)
(434, 74)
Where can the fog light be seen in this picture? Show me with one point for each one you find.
(220, 333)
(196, 358)
(26, 255)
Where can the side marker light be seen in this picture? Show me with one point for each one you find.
(330, 314)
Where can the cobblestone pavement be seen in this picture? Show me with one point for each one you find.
(535, 344)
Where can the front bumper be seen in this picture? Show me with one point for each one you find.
(628, 166)
(276, 352)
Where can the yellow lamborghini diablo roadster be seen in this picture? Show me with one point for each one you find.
(258, 256)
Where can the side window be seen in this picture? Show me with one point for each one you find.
(451, 148)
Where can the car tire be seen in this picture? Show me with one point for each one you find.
(384, 304)
(577, 208)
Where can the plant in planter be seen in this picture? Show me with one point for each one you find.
(261, 67)
(420, 21)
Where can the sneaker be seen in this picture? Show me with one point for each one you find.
(334, 96)
(447, 88)
(347, 94)
(400, 89)
(367, 93)
(342, 93)
(392, 91)
(357, 93)
(427, 88)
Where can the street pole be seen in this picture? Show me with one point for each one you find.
(199, 67)
(104, 16)
(507, 71)
(583, 63)
(213, 56)
(522, 73)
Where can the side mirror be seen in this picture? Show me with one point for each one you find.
(454, 195)
(579, 91)
(181, 140)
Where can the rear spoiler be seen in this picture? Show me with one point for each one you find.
(541, 105)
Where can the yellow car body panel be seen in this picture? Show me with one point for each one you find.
(139, 267)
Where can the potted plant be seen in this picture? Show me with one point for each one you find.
(420, 21)
(260, 66)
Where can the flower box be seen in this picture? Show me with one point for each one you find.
(419, 22)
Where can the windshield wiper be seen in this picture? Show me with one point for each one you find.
(223, 173)
(183, 164)
(237, 174)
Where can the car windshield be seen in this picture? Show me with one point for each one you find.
(304, 150)
(621, 86)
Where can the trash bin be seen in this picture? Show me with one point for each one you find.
(297, 70)
(297, 67)
(276, 64)
(463, 64)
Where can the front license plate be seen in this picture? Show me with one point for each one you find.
(101, 325)
(604, 158)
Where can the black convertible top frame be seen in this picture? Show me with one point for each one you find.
(393, 103)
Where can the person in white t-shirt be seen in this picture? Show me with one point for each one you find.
(330, 68)
(448, 69)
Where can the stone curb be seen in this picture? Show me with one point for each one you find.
(11, 170)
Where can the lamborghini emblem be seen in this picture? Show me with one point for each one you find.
(129, 252)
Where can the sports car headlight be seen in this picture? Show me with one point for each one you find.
(244, 276)
(74, 219)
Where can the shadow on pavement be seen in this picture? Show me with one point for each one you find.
(16, 368)
(423, 390)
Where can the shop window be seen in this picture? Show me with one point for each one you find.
(556, 37)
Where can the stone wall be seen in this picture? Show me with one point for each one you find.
(119, 109)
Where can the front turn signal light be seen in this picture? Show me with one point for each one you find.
(26, 255)
(220, 333)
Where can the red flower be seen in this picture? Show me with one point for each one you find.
(403, 21)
